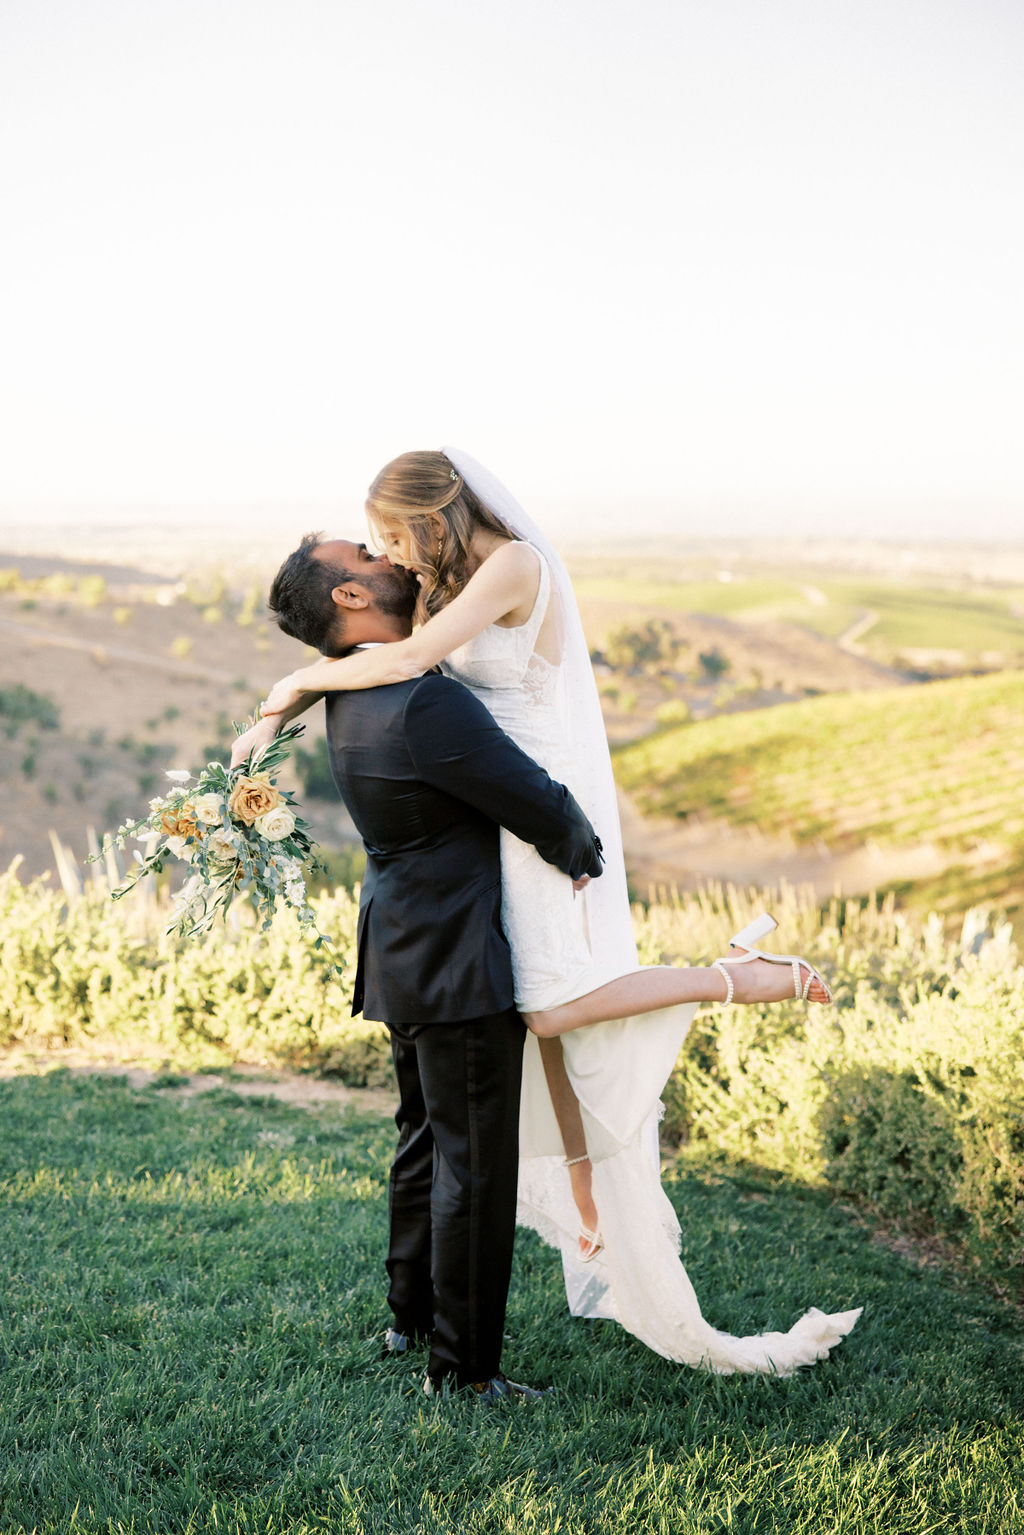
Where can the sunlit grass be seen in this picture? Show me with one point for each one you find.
(188, 1343)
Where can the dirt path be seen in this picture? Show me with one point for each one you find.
(301, 1090)
(663, 851)
(850, 638)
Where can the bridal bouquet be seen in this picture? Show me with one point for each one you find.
(239, 834)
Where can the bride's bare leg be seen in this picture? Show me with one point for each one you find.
(655, 986)
(570, 1123)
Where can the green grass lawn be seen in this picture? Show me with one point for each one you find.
(192, 1292)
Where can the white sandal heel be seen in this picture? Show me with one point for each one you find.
(595, 1245)
(747, 939)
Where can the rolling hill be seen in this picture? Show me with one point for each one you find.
(936, 764)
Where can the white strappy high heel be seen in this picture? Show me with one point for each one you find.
(747, 938)
(594, 1244)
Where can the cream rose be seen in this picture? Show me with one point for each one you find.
(276, 824)
(206, 808)
(221, 846)
(251, 798)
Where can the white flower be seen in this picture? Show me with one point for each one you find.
(180, 848)
(221, 846)
(189, 890)
(276, 824)
(208, 809)
(177, 775)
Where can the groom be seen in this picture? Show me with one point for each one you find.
(428, 778)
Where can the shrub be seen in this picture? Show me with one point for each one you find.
(675, 712)
(909, 1094)
(19, 704)
(713, 663)
(92, 590)
(651, 646)
(101, 972)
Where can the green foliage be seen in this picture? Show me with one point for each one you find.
(648, 647)
(20, 704)
(909, 1094)
(713, 663)
(675, 711)
(101, 972)
(92, 590)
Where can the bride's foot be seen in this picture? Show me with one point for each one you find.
(761, 977)
(581, 1174)
(761, 980)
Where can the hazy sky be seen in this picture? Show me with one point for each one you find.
(726, 256)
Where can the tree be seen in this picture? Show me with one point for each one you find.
(650, 647)
(713, 663)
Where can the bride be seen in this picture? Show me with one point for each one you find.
(496, 610)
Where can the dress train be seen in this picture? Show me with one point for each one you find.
(638, 1278)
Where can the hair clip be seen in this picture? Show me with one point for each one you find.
(453, 474)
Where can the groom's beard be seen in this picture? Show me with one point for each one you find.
(395, 591)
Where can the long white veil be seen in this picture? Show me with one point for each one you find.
(609, 915)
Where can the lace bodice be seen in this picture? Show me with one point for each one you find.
(517, 684)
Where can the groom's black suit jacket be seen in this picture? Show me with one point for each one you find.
(428, 777)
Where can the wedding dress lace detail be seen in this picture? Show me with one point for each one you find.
(618, 1070)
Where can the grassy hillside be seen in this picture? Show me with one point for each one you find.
(898, 622)
(939, 763)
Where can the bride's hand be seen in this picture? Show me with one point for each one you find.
(260, 734)
(582, 882)
(283, 695)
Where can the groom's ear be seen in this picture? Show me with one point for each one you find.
(351, 596)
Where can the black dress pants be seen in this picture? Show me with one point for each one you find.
(452, 1193)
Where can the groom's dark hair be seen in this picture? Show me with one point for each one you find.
(300, 598)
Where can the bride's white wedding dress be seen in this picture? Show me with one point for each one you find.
(565, 944)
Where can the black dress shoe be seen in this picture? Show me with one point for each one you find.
(496, 1389)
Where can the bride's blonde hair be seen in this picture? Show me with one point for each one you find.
(424, 493)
